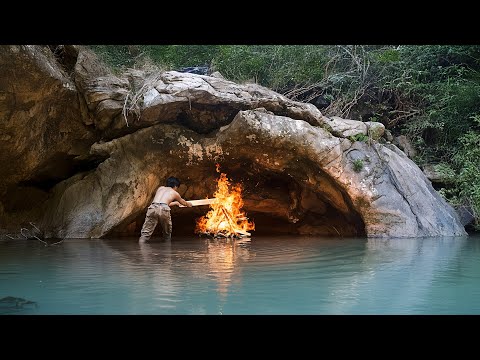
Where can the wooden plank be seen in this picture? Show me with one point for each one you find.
(200, 202)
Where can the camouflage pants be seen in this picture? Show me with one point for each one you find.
(157, 213)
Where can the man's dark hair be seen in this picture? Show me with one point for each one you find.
(173, 181)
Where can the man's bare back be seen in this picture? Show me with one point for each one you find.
(169, 196)
(157, 213)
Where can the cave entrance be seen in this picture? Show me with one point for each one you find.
(277, 204)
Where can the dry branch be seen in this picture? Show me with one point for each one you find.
(32, 234)
(135, 97)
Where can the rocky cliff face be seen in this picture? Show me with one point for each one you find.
(42, 131)
(103, 143)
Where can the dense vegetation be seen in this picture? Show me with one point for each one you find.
(431, 93)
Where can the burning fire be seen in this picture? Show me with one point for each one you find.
(225, 217)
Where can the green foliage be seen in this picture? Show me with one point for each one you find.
(116, 56)
(464, 172)
(467, 161)
(446, 172)
(242, 63)
(388, 56)
(358, 137)
(169, 56)
(274, 66)
(476, 119)
(178, 56)
(357, 165)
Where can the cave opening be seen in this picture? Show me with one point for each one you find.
(277, 203)
(60, 167)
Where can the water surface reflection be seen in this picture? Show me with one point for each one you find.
(264, 275)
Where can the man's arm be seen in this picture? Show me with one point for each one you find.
(182, 201)
(185, 203)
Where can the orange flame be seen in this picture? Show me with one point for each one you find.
(225, 217)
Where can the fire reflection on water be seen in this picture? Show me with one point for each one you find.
(222, 256)
(219, 259)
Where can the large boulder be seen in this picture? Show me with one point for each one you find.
(390, 196)
(41, 128)
(94, 146)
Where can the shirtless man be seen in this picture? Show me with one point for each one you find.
(159, 210)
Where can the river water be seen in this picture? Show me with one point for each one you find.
(261, 275)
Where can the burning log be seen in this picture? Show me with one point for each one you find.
(234, 226)
(225, 218)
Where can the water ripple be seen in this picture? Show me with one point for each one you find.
(269, 275)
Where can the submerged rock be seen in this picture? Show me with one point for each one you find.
(15, 302)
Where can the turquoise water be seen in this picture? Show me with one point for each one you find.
(263, 275)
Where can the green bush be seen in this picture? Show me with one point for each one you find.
(116, 56)
(275, 66)
(358, 137)
(357, 165)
